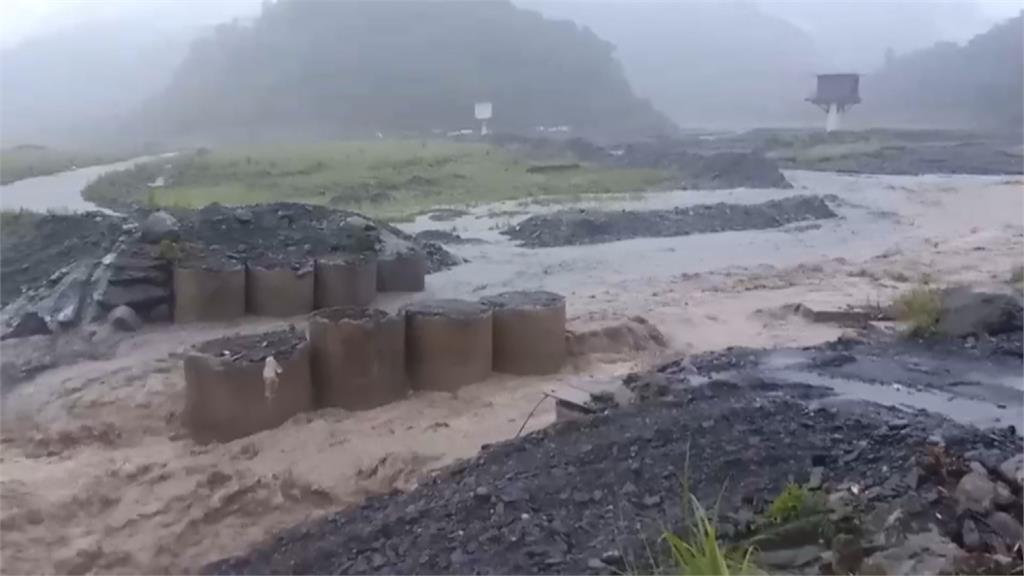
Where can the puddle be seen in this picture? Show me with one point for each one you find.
(964, 410)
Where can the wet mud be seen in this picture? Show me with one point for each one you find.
(576, 227)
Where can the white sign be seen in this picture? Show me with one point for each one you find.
(482, 110)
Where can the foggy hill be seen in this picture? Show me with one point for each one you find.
(977, 85)
(67, 86)
(707, 64)
(328, 69)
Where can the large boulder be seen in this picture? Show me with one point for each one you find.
(1007, 527)
(965, 312)
(160, 226)
(975, 492)
(1012, 470)
(125, 319)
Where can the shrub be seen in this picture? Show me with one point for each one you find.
(793, 503)
(921, 309)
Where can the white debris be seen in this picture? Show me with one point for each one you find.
(270, 371)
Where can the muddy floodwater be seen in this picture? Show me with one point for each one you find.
(98, 474)
(877, 214)
(61, 192)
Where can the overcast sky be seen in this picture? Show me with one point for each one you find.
(842, 26)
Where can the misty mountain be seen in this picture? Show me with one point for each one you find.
(69, 86)
(329, 69)
(707, 64)
(977, 85)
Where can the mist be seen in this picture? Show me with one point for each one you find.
(86, 72)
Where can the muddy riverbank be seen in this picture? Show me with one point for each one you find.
(594, 496)
(75, 434)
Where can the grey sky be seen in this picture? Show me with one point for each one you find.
(845, 25)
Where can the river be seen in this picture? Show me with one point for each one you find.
(60, 192)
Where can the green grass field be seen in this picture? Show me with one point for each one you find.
(389, 178)
(28, 161)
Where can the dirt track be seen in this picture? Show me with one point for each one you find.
(75, 437)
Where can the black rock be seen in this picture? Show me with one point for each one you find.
(29, 324)
(970, 536)
(138, 296)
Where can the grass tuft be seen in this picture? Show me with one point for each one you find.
(703, 553)
(920, 309)
(793, 503)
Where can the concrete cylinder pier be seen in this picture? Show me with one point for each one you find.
(404, 270)
(358, 357)
(209, 291)
(448, 343)
(233, 388)
(342, 281)
(529, 332)
(279, 289)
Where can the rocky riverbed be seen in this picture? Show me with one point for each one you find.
(899, 490)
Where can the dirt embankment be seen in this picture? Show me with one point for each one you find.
(575, 227)
(594, 495)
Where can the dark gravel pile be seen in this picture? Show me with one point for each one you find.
(447, 307)
(523, 299)
(271, 234)
(35, 246)
(445, 237)
(574, 227)
(286, 234)
(591, 496)
(255, 347)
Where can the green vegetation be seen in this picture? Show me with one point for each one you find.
(795, 502)
(23, 162)
(383, 178)
(702, 553)
(920, 308)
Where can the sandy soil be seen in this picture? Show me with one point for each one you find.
(97, 475)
